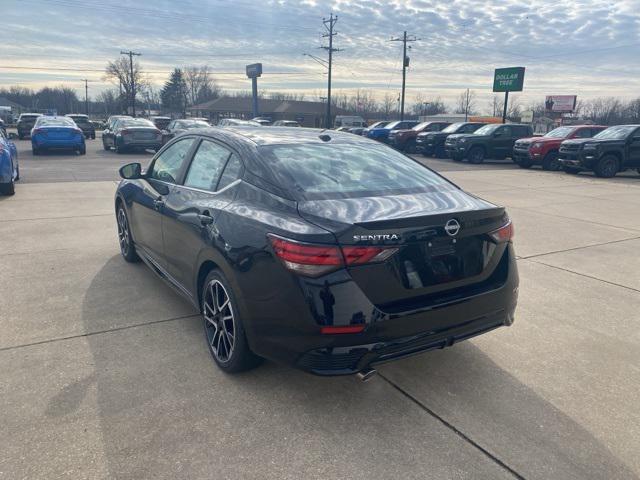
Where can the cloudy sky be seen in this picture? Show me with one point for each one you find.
(584, 47)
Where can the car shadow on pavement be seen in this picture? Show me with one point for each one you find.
(166, 411)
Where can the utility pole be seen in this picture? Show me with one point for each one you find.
(466, 106)
(86, 96)
(328, 25)
(405, 64)
(133, 82)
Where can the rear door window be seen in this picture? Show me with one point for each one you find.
(206, 166)
(231, 172)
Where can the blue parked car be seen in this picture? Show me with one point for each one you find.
(382, 133)
(57, 133)
(9, 168)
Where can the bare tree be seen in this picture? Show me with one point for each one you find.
(466, 102)
(201, 86)
(428, 106)
(388, 105)
(119, 72)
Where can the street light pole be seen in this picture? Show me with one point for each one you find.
(405, 64)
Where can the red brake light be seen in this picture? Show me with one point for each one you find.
(342, 329)
(504, 233)
(360, 255)
(38, 131)
(315, 260)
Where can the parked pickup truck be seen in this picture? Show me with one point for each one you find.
(544, 150)
(432, 143)
(491, 141)
(405, 140)
(611, 151)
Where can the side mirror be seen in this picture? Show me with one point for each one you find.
(131, 171)
(497, 134)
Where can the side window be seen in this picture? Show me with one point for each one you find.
(584, 133)
(167, 166)
(206, 166)
(505, 131)
(231, 172)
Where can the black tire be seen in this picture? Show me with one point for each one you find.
(18, 173)
(524, 162)
(20, 136)
(118, 149)
(230, 350)
(550, 162)
(8, 188)
(410, 146)
(571, 170)
(82, 150)
(93, 136)
(35, 151)
(607, 167)
(105, 146)
(125, 240)
(439, 152)
(476, 155)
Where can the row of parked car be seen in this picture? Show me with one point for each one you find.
(603, 150)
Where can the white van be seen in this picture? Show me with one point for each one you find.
(349, 121)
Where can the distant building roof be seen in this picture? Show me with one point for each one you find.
(5, 102)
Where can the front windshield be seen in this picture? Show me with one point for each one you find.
(487, 129)
(55, 122)
(452, 128)
(560, 132)
(392, 125)
(378, 125)
(616, 133)
(420, 126)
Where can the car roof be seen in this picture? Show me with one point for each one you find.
(24, 114)
(76, 115)
(260, 136)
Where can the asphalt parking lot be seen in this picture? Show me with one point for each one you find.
(105, 371)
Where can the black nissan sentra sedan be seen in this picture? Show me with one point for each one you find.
(319, 249)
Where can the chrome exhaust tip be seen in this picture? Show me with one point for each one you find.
(366, 374)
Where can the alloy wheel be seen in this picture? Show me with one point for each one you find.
(123, 232)
(219, 321)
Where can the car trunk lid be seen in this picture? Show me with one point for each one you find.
(442, 238)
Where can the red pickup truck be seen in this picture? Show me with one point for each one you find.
(544, 150)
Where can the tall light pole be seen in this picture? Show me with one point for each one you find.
(86, 96)
(133, 81)
(405, 64)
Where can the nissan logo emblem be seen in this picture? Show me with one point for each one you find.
(452, 227)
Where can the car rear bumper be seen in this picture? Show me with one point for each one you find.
(43, 142)
(141, 144)
(388, 335)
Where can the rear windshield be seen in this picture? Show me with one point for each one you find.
(347, 170)
(135, 122)
(79, 119)
(59, 121)
(28, 117)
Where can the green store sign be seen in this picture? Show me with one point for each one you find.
(508, 79)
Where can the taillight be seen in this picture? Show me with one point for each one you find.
(125, 132)
(504, 233)
(39, 131)
(315, 260)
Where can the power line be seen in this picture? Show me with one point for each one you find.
(69, 69)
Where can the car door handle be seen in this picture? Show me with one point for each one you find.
(158, 203)
(205, 219)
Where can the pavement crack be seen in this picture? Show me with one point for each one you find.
(527, 257)
(97, 332)
(585, 275)
(455, 430)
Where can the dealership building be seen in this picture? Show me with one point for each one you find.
(308, 114)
